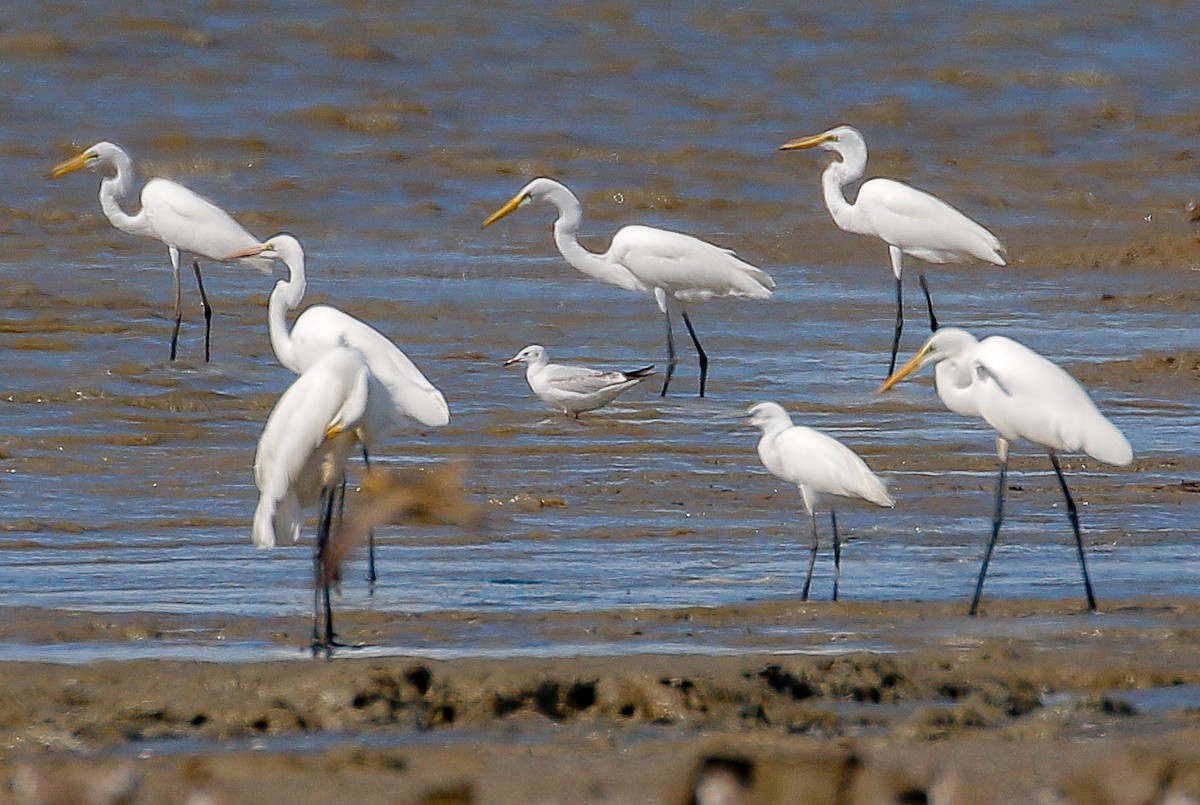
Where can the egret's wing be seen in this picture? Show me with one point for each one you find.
(1024, 395)
(291, 461)
(686, 267)
(194, 224)
(826, 465)
(923, 225)
(321, 328)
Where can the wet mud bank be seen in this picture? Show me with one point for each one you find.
(1032, 700)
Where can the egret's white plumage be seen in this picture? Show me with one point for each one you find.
(171, 213)
(670, 266)
(822, 467)
(1022, 395)
(573, 389)
(402, 392)
(908, 220)
(301, 460)
(309, 435)
(321, 328)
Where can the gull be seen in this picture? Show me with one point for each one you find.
(573, 389)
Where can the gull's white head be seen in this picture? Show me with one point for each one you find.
(532, 355)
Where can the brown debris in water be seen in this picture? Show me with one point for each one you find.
(412, 494)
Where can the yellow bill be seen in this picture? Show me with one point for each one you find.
(516, 201)
(77, 162)
(252, 251)
(811, 141)
(904, 371)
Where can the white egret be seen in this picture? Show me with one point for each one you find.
(910, 221)
(573, 389)
(301, 460)
(667, 265)
(1022, 396)
(822, 467)
(405, 393)
(181, 219)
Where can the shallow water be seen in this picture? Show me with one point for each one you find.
(382, 139)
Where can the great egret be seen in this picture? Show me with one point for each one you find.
(1022, 396)
(171, 213)
(910, 221)
(573, 389)
(667, 265)
(822, 467)
(405, 393)
(301, 460)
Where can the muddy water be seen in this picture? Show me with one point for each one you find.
(383, 137)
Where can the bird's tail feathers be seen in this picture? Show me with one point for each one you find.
(427, 406)
(1002, 253)
(763, 279)
(1109, 446)
(877, 493)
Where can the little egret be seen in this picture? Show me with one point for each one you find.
(910, 221)
(171, 213)
(573, 389)
(301, 460)
(1022, 396)
(405, 393)
(822, 467)
(667, 265)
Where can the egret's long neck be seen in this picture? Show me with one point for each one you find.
(774, 427)
(566, 237)
(954, 379)
(115, 188)
(285, 296)
(954, 372)
(833, 185)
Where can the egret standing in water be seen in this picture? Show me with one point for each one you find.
(403, 394)
(171, 213)
(301, 460)
(1022, 396)
(670, 266)
(822, 467)
(908, 220)
(573, 389)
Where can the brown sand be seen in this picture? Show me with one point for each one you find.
(1031, 702)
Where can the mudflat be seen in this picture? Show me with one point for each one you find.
(897, 702)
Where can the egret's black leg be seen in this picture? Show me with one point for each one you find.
(671, 358)
(371, 537)
(899, 325)
(321, 574)
(997, 516)
(837, 553)
(318, 567)
(178, 300)
(1074, 517)
(812, 558)
(933, 322)
(206, 306)
(699, 352)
